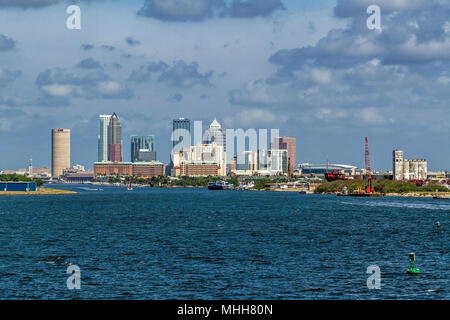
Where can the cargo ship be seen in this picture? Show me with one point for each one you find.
(335, 175)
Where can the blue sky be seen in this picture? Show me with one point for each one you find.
(310, 68)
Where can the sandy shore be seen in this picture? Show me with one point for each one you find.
(40, 192)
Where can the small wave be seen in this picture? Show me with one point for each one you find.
(58, 260)
(318, 289)
(433, 290)
(409, 205)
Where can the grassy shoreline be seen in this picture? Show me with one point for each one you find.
(386, 187)
(39, 192)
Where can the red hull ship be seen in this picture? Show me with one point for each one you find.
(334, 175)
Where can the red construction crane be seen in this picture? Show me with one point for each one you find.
(368, 169)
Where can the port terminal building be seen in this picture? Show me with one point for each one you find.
(319, 169)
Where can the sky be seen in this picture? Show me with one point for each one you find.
(312, 69)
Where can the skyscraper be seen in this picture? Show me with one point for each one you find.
(103, 145)
(181, 132)
(215, 134)
(289, 144)
(181, 137)
(60, 151)
(115, 139)
(143, 148)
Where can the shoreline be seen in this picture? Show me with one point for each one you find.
(39, 192)
(49, 191)
(445, 195)
(425, 194)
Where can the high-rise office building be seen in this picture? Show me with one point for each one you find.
(181, 130)
(143, 148)
(181, 137)
(215, 134)
(60, 151)
(115, 139)
(289, 144)
(103, 145)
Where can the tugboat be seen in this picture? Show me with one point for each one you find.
(219, 185)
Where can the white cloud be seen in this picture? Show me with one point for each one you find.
(58, 90)
(109, 87)
(370, 116)
(254, 93)
(255, 117)
(443, 79)
(321, 76)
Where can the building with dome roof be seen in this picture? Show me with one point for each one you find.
(215, 134)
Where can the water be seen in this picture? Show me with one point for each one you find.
(200, 244)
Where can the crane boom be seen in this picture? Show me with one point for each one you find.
(368, 168)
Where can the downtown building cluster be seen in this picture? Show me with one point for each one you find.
(110, 152)
(209, 157)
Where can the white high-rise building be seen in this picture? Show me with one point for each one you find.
(215, 134)
(273, 162)
(205, 154)
(103, 144)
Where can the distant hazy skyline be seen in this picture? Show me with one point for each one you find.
(310, 68)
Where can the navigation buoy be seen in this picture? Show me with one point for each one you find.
(412, 269)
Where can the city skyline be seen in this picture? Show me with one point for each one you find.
(280, 143)
(276, 66)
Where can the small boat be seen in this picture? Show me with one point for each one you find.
(219, 185)
(130, 187)
(441, 198)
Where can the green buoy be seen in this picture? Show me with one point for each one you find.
(412, 269)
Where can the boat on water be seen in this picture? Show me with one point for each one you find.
(363, 194)
(130, 187)
(359, 193)
(91, 189)
(441, 198)
(219, 185)
(335, 175)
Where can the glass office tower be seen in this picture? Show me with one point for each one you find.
(143, 148)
